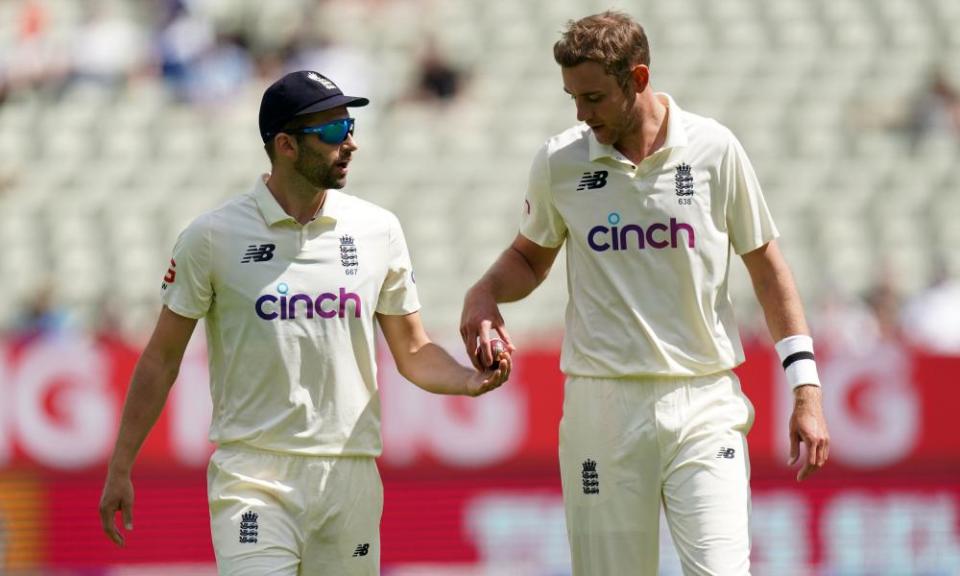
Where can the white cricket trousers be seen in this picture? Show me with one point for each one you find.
(629, 445)
(274, 514)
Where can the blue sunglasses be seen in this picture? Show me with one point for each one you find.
(333, 132)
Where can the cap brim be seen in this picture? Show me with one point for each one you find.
(334, 102)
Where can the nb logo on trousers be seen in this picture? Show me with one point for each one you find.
(727, 453)
(361, 550)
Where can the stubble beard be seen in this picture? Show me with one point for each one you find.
(312, 167)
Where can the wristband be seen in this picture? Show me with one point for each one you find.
(799, 365)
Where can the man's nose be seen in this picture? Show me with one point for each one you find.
(583, 112)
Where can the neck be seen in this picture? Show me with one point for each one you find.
(649, 131)
(296, 196)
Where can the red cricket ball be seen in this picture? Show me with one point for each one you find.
(496, 347)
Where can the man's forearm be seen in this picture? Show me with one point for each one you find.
(511, 277)
(146, 397)
(782, 307)
(776, 292)
(433, 369)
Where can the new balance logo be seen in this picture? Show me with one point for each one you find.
(258, 253)
(361, 550)
(249, 528)
(727, 453)
(593, 180)
(591, 478)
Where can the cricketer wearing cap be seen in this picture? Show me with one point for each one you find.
(291, 278)
(651, 202)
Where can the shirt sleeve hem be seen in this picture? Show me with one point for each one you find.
(541, 240)
(753, 246)
(182, 311)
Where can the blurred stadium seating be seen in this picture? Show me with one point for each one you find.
(97, 179)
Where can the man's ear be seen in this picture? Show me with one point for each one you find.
(286, 145)
(641, 77)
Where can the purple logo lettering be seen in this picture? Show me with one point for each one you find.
(325, 305)
(657, 235)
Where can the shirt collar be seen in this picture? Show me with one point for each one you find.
(273, 213)
(676, 135)
(332, 206)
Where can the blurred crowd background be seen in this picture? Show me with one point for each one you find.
(120, 121)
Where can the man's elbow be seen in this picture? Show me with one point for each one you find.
(408, 357)
(158, 369)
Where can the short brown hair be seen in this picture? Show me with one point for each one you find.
(612, 39)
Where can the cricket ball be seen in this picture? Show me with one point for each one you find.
(496, 347)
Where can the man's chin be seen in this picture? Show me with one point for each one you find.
(603, 136)
(335, 182)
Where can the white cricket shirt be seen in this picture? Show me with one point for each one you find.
(289, 312)
(649, 247)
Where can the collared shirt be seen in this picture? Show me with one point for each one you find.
(649, 246)
(289, 313)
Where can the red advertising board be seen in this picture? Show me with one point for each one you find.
(473, 482)
(890, 409)
(828, 526)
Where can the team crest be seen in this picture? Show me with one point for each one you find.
(348, 255)
(684, 180)
(321, 80)
(591, 478)
(249, 528)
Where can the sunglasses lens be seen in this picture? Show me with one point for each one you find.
(336, 132)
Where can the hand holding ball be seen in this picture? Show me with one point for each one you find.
(496, 348)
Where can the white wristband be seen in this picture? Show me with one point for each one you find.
(796, 356)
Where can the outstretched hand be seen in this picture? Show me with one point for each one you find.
(809, 427)
(117, 497)
(483, 382)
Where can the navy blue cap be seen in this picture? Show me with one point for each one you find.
(298, 93)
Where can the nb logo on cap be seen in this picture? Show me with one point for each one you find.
(322, 81)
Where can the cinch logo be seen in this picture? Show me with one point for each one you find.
(614, 237)
(270, 307)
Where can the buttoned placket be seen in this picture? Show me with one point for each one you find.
(623, 165)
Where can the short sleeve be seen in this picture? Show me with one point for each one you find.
(398, 294)
(749, 222)
(188, 285)
(541, 222)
